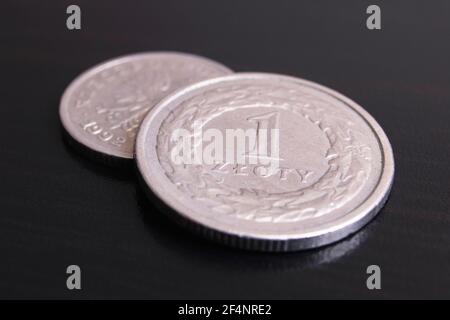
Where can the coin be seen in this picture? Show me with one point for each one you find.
(324, 171)
(103, 108)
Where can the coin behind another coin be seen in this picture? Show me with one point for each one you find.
(312, 167)
(103, 108)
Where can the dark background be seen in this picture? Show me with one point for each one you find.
(57, 208)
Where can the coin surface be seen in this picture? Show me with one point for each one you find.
(103, 108)
(322, 173)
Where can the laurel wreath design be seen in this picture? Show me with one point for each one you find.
(348, 159)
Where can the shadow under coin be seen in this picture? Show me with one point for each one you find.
(203, 251)
(121, 170)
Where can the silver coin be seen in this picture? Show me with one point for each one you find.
(328, 176)
(103, 108)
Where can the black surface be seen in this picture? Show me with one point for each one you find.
(58, 208)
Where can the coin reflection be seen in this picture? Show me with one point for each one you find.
(194, 248)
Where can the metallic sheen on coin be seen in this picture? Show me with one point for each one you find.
(328, 172)
(103, 108)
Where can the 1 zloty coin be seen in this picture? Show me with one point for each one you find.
(265, 162)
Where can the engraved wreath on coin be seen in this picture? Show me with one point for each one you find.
(348, 158)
